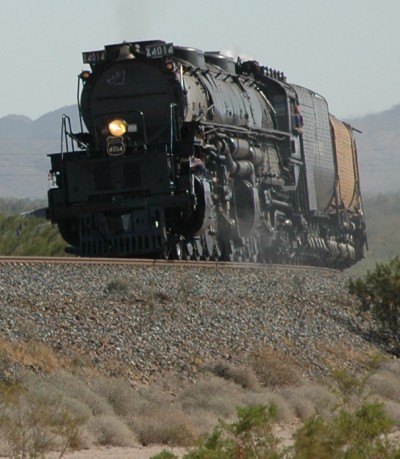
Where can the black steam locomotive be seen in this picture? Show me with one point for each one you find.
(189, 154)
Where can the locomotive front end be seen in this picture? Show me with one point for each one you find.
(112, 195)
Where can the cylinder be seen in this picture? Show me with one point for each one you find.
(239, 148)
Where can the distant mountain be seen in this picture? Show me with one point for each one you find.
(47, 126)
(379, 150)
(25, 144)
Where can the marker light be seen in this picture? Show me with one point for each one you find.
(170, 66)
(85, 75)
(117, 128)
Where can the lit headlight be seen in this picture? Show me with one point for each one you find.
(117, 128)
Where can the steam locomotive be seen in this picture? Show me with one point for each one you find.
(185, 154)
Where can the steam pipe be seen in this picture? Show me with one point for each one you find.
(243, 168)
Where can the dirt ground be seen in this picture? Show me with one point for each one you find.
(283, 432)
(139, 452)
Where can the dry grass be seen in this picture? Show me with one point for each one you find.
(285, 413)
(119, 394)
(118, 415)
(275, 369)
(243, 376)
(386, 384)
(103, 425)
(79, 389)
(393, 411)
(109, 430)
(170, 427)
(118, 285)
(393, 366)
(169, 413)
(310, 399)
(337, 356)
(211, 394)
(216, 396)
(41, 358)
(31, 354)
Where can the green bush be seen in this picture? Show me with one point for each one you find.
(165, 454)
(359, 435)
(249, 437)
(356, 429)
(29, 236)
(379, 293)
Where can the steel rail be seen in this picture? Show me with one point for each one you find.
(153, 262)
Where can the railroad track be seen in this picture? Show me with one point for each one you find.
(152, 262)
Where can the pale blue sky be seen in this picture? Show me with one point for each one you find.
(346, 50)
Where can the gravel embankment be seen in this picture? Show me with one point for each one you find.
(139, 322)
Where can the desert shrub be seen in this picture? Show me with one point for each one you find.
(70, 387)
(309, 399)
(117, 285)
(154, 298)
(211, 394)
(361, 434)
(81, 390)
(188, 285)
(164, 454)
(29, 236)
(33, 424)
(34, 353)
(339, 353)
(392, 409)
(151, 413)
(171, 427)
(357, 428)
(393, 366)
(274, 369)
(302, 406)
(284, 413)
(242, 376)
(147, 398)
(379, 293)
(250, 437)
(111, 431)
(119, 394)
(385, 384)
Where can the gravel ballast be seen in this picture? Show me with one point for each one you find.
(142, 322)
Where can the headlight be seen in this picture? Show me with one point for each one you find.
(117, 128)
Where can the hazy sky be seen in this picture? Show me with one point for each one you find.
(346, 50)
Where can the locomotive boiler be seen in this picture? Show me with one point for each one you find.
(188, 154)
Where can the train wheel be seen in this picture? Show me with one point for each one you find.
(177, 251)
(197, 250)
(216, 255)
(187, 250)
(253, 250)
(165, 251)
(239, 255)
(208, 243)
(227, 250)
(247, 256)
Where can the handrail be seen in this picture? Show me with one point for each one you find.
(68, 140)
(65, 131)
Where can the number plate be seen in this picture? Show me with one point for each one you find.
(157, 51)
(93, 57)
(115, 146)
